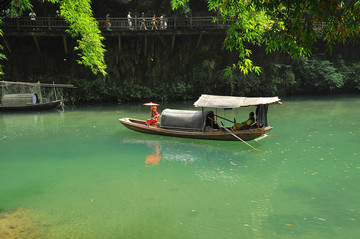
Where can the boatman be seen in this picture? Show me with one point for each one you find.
(154, 116)
(246, 124)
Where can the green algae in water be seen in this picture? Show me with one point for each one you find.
(84, 175)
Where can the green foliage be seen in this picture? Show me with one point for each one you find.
(318, 75)
(286, 26)
(91, 91)
(163, 91)
(2, 56)
(179, 3)
(182, 7)
(10, 13)
(249, 28)
(282, 80)
(202, 77)
(20, 6)
(352, 78)
(82, 23)
(306, 75)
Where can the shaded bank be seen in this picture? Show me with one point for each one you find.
(155, 70)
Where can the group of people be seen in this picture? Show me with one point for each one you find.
(32, 15)
(155, 116)
(161, 22)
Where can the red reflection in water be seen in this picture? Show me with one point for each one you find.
(154, 158)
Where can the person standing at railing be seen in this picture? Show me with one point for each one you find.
(32, 16)
(161, 21)
(129, 20)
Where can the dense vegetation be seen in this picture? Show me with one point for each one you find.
(304, 76)
(296, 62)
(284, 26)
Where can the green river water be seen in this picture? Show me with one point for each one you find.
(81, 174)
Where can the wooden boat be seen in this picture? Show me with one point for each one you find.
(216, 134)
(13, 97)
(39, 106)
(204, 124)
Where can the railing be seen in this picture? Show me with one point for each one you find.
(116, 24)
(53, 24)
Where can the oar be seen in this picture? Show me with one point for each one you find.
(225, 119)
(227, 130)
(274, 136)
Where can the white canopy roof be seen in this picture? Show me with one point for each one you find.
(217, 101)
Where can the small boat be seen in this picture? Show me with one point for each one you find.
(13, 97)
(204, 124)
(38, 106)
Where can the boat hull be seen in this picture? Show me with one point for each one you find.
(35, 107)
(246, 135)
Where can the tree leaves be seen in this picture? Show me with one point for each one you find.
(290, 26)
(82, 24)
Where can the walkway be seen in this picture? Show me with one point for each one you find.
(54, 25)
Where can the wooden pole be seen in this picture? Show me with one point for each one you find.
(37, 44)
(199, 40)
(65, 45)
(172, 43)
(145, 45)
(7, 44)
(39, 90)
(4, 83)
(119, 43)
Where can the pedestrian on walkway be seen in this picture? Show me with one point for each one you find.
(32, 16)
(162, 21)
(154, 23)
(129, 20)
(142, 21)
(107, 22)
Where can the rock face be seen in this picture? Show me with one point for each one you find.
(131, 60)
(170, 67)
(157, 61)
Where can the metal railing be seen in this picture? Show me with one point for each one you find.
(53, 24)
(116, 24)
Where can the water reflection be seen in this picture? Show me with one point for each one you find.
(209, 160)
(30, 123)
(153, 159)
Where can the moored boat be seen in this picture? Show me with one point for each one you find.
(26, 96)
(38, 106)
(204, 124)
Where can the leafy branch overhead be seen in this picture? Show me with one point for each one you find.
(82, 25)
(290, 26)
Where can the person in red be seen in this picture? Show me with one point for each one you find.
(154, 116)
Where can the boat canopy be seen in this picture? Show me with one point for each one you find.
(228, 102)
(186, 119)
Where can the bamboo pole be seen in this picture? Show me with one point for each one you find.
(34, 84)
